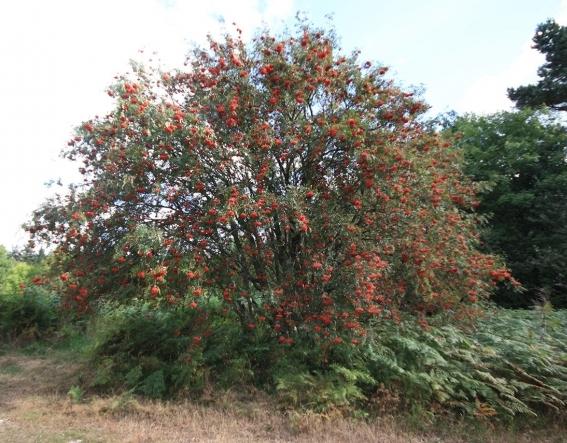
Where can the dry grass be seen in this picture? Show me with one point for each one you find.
(35, 407)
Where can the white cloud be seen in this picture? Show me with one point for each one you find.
(59, 56)
(488, 93)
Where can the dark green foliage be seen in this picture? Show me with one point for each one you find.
(165, 352)
(550, 39)
(233, 356)
(30, 315)
(520, 156)
(146, 350)
(27, 254)
(153, 352)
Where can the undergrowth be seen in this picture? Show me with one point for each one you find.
(30, 315)
(510, 363)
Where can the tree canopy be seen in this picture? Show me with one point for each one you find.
(293, 182)
(551, 40)
(522, 157)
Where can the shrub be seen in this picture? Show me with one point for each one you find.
(146, 350)
(32, 314)
(168, 352)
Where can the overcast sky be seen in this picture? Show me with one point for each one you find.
(58, 57)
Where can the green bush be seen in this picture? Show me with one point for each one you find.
(149, 351)
(32, 314)
(163, 352)
(15, 272)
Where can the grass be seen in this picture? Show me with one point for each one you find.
(35, 406)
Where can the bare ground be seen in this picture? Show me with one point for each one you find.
(35, 407)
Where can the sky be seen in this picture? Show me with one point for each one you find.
(57, 58)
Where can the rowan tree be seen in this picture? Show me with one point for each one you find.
(291, 181)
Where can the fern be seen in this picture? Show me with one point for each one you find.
(337, 386)
(499, 364)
